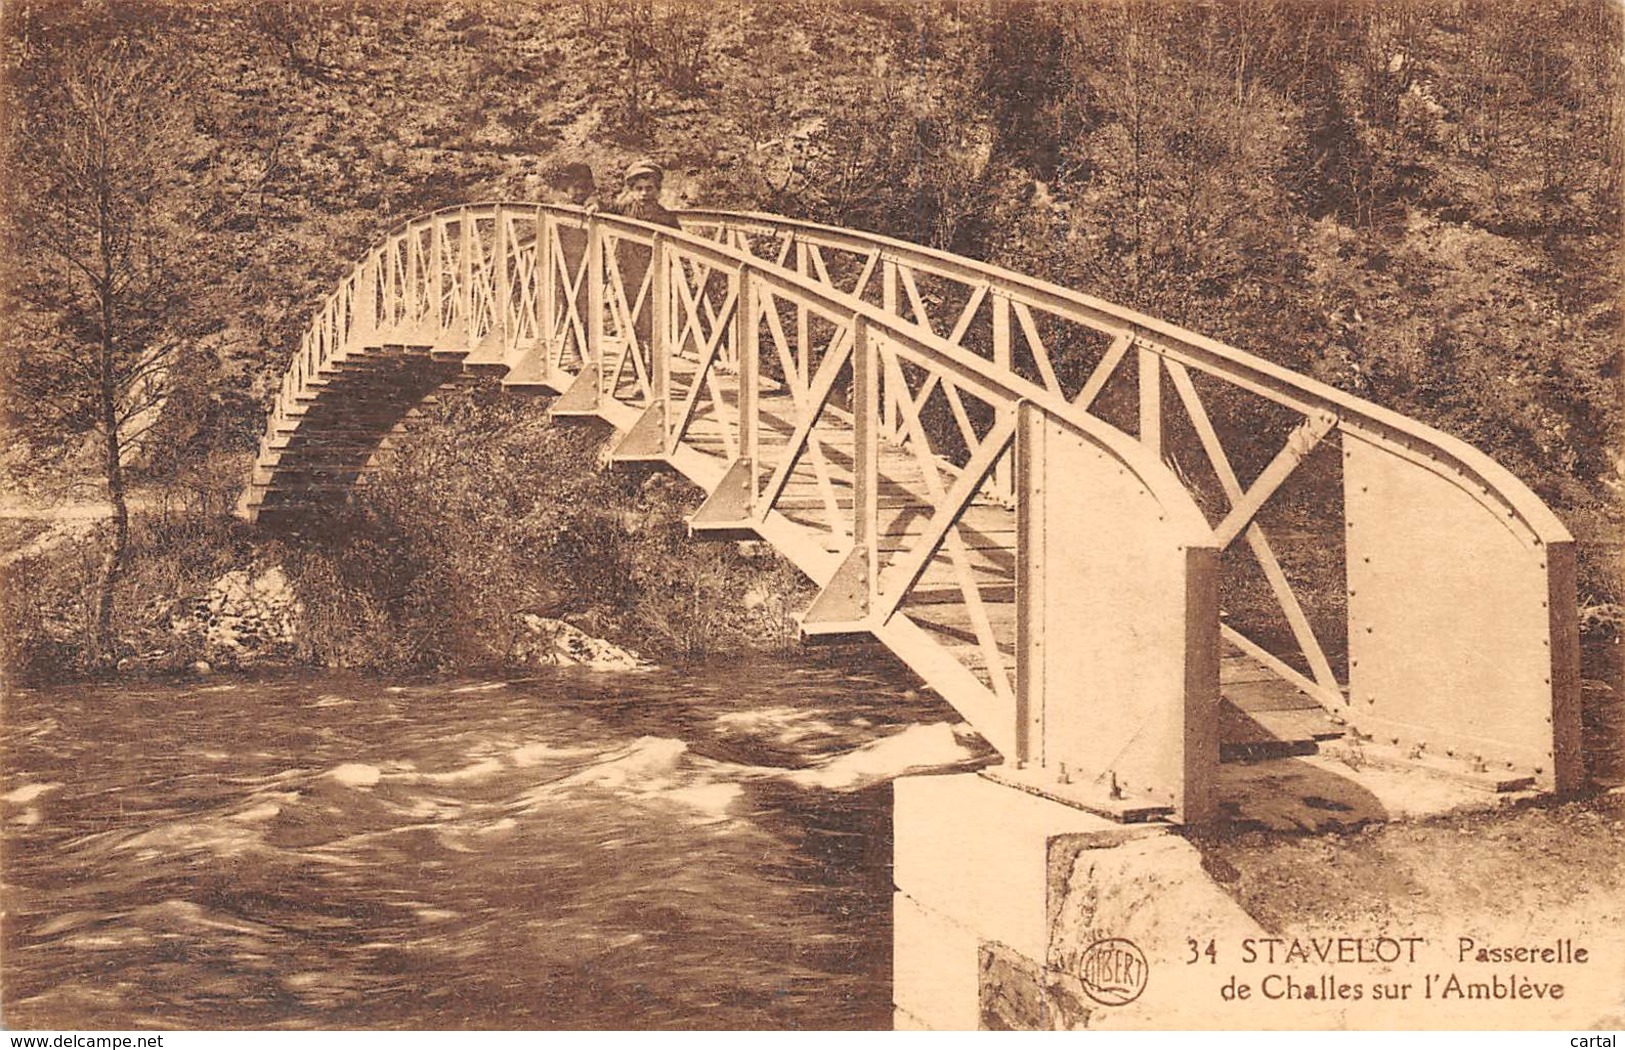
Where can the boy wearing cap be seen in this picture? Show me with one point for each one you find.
(641, 198)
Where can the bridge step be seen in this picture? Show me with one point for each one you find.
(844, 503)
(325, 446)
(379, 385)
(368, 426)
(362, 394)
(351, 467)
(1269, 720)
(1271, 694)
(984, 549)
(1000, 593)
(304, 488)
(299, 448)
(1261, 716)
(363, 426)
(1247, 737)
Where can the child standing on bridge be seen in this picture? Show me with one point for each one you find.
(641, 197)
(640, 200)
(575, 182)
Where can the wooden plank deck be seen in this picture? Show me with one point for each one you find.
(1261, 715)
(939, 585)
(357, 404)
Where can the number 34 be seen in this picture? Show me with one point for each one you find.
(1197, 951)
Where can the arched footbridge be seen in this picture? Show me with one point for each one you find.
(1123, 551)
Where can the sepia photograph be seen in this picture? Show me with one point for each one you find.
(811, 515)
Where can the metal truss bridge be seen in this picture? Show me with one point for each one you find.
(1124, 552)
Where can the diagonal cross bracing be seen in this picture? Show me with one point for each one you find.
(893, 517)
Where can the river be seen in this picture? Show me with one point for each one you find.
(572, 850)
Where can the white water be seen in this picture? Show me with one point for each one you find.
(576, 850)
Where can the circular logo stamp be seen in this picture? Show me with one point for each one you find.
(1113, 971)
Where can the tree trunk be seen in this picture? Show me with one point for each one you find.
(108, 407)
(113, 562)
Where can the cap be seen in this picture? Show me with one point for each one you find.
(645, 167)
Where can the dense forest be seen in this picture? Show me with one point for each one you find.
(1416, 200)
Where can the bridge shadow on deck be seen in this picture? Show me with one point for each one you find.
(1309, 793)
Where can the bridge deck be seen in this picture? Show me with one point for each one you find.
(1033, 497)
(379, 392)
(1261, 716)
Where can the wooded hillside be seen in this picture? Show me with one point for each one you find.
(1415, 200)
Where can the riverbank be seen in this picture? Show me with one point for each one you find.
(479, 544)
(488, 540)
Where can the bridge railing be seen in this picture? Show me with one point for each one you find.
(1459, 589)
(1448, 627)
(1138, 675)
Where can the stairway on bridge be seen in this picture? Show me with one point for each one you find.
(380, 391)
(1051, 572)
(331, 433)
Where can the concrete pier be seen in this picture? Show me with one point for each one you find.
(973, 871)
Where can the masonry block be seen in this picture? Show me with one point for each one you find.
(934, 969)
(977, 853)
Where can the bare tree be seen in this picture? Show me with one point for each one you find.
(101, 153)
(301, 29)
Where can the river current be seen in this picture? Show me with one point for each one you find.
(574, 849)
